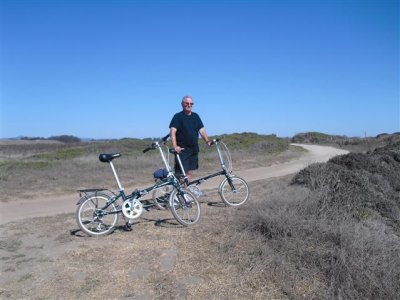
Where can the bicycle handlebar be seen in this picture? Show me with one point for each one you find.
(165, 137)
(147, 149)
(154, 145)
(214, 141)
(173, 151)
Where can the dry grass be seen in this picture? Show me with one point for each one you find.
(32, 168)
(158, 260)
(274, 247)
(334, 236)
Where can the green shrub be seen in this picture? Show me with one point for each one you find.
(21, 165)
(63, 154)
(248, 141)
(65, 138)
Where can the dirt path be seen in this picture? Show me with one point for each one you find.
(50, 206)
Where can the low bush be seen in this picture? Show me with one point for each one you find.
(357, 184)
(333, 233)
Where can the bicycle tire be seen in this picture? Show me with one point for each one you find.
(93, 221)
(161, 195)
(237, 196)
(184, 207)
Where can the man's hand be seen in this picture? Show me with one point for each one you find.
(178, 149)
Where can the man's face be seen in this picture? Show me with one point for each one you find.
(187, 105)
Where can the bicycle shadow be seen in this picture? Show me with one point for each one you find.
(168, 223)
(210, 200)
(80, 234)
(159, 222)
(216, 204)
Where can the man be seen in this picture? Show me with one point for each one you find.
(185, 127)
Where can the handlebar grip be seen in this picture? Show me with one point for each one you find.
(173, 151)
(147, 149)
(214, 141)
(165, 137)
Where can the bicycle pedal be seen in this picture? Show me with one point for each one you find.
(128, 227)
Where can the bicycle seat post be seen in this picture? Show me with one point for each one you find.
(116, 176)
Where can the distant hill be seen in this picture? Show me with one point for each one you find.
(60, 138)
(342, 141)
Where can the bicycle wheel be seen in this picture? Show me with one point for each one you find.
(184, 207)
(92, 218)
(161, 196)
(234, 191)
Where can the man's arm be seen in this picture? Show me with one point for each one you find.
(172, 133)
(204, 136)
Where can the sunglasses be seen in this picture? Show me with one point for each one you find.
(188, 104)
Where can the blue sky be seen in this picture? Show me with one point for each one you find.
(114, 69)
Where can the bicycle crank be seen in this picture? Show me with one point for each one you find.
(132, 209)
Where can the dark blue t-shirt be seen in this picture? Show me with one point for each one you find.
(187, 133)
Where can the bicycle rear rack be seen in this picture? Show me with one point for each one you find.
(84, 192)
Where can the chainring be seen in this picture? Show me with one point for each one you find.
(132, 209)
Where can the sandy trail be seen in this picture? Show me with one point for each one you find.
(50, 206)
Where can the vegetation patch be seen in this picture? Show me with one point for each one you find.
(358, 184)
(356, 144)
(37, 165)
(60, 138)
(329, 232)
(63, 154)
(253, 141)
(6, 167)
(337, 225)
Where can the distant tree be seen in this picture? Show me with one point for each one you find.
(27, 138)
(65, 138)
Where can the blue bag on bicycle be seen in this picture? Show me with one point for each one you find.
(160, 173)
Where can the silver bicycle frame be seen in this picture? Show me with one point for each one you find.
(116, 177)
(221, 160)
(180, 165)
(166, 163)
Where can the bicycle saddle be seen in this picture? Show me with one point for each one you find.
(108, 157)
